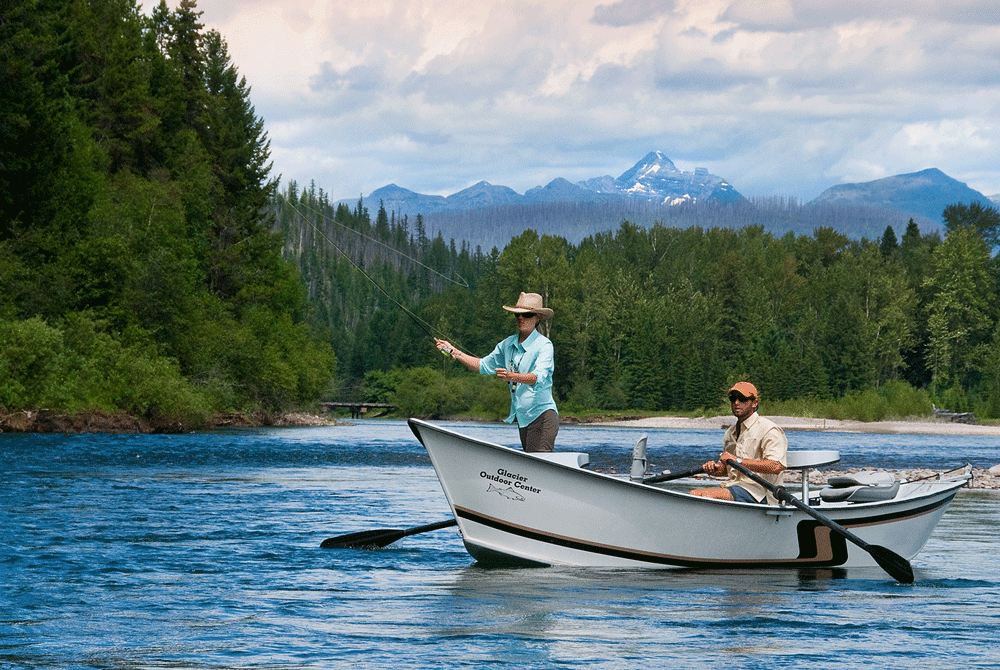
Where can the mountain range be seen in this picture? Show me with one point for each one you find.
(654, 189)
(654, 180)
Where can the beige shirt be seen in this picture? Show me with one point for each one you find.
(759, 438)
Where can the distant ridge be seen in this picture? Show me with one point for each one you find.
(654, 190)
(925, 193)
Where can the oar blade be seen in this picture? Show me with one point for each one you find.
(367, 539)
(898, 567)
(373, 539)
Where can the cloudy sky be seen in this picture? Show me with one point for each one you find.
(779, 97)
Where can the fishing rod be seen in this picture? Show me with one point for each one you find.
(426, 327)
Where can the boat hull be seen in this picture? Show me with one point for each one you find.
(517, 507)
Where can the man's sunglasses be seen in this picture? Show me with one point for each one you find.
(734, 396)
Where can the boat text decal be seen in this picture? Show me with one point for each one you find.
(512, 484)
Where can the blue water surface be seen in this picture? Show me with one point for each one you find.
(202, 551)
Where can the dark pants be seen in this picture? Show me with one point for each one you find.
(540, 434)
(740, 494)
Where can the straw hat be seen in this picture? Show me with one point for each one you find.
(530, 302)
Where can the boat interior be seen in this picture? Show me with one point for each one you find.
(861, 487)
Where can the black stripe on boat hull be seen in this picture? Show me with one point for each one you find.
(807, 543)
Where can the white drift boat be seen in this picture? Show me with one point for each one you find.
(548, 509)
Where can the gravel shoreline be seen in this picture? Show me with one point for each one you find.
(910, 427)
(982, 478)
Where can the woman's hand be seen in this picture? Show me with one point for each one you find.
(444, 345)
(528, 379)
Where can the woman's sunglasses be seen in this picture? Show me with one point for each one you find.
(526, 315)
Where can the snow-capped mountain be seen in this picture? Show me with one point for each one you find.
(654, 179)
(654, 190)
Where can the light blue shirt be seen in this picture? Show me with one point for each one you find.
(533, 356)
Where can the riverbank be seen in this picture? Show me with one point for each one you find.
(49, 421)
(921, 426)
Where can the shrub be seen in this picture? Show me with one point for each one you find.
(427, 392)
(894, 400)
(865, 406)
(77, 367)
(32, 365)
(424, 391)
(905, 401)
(380, 385)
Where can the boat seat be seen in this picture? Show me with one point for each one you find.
(574, 459)
(865, 478)
(859, 494)
(861, 487)
(805, 459)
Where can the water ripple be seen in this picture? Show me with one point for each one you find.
(202, 551)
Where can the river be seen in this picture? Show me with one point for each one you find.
(202, 551)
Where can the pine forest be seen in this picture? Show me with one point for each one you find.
(659, 318)
(153, 266)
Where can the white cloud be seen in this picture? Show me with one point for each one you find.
(780, 97)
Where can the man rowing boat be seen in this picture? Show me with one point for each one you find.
(756, 443)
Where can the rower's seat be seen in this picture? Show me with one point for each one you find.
(861, 487)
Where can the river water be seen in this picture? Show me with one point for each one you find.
(202, 551)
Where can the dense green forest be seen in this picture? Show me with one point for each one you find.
(153, 266)
(661, 318)
(140, 267)
(495, 225)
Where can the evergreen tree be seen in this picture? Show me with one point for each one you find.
(960, 313)
(889, 244)
(108, 64)
(238, 150)
(382, 223)
(985, 221)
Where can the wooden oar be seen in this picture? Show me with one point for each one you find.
(371, 539)
(897, 566)
(673, 475)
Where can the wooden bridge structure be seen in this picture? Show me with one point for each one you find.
(358, 407)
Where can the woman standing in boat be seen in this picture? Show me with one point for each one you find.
(525, 361)
(755, 442)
